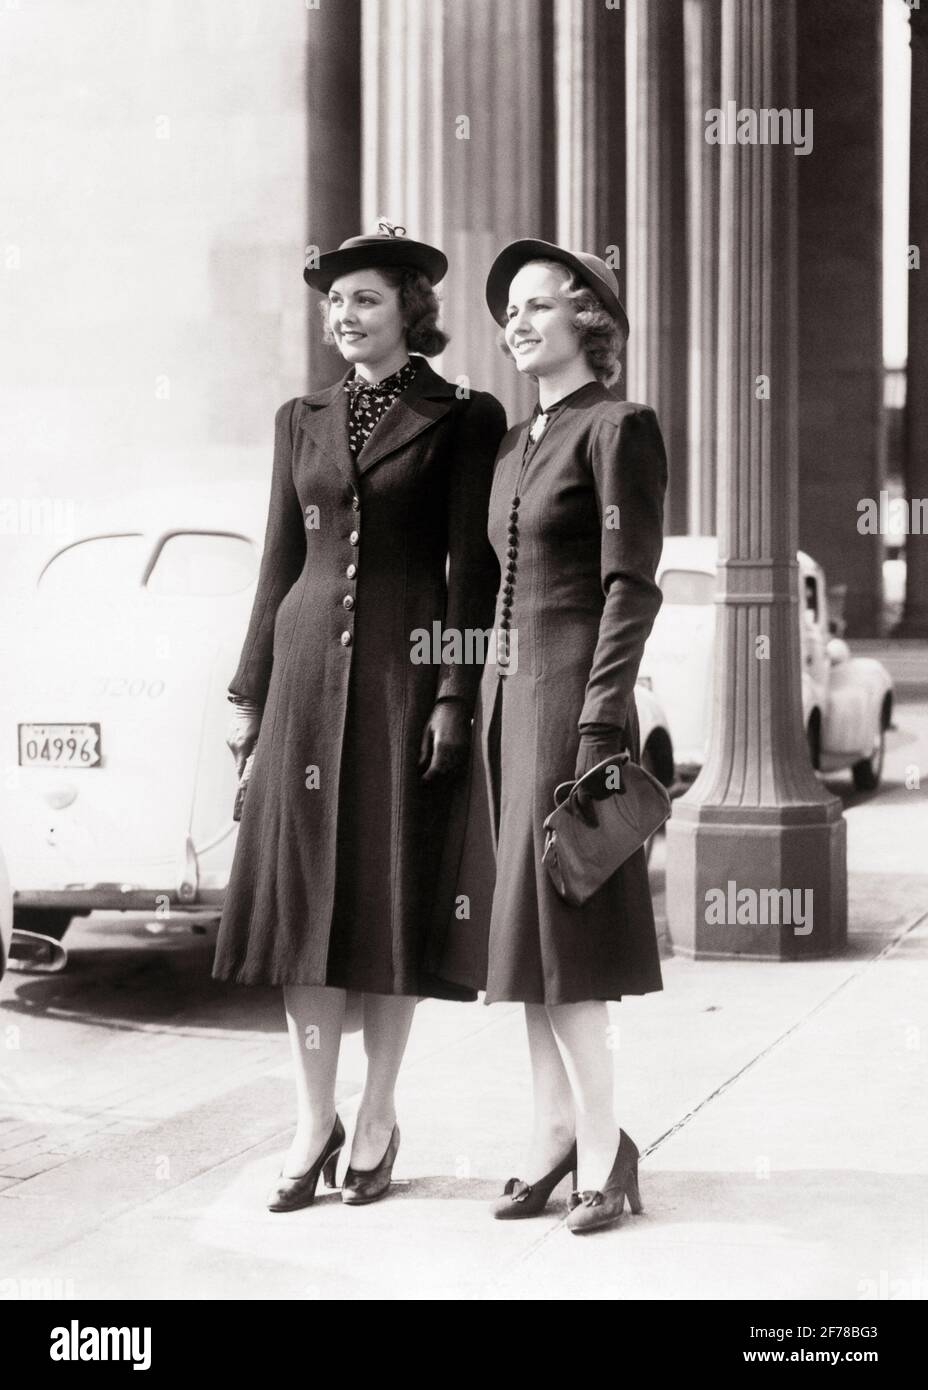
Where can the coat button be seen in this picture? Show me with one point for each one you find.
(515, 502)
(354, 537)
(345, 639)
(351, 571)
(356, 502)
(512, 552)
(347, 601)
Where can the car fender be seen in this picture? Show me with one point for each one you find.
(6, 916)
(857, 691)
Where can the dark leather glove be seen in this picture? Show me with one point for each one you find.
(594, 747)
(445, 739)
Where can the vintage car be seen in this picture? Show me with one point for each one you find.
(120, 787)
(847, 701)
(6, 917)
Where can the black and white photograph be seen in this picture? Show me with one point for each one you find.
(464, 665)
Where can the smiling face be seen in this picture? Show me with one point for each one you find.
(366, 320)
(539, 329)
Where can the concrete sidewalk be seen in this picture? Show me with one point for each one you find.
(780, 1111)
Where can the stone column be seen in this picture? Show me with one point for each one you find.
(757, 821)
(590, 88)
(333, 116)
(841, 460)
(914, 621)
(702, 39)
(657, 309)
(500, 170)
(460, 147)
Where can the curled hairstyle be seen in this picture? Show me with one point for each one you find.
(419, 309)
(601, 338)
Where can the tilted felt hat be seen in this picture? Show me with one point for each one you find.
(590, 269)
(386, 248)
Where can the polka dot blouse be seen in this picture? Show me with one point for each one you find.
(368, 401)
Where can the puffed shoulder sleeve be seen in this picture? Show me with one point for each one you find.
(629, 467)
(281, 563)
(473, 571)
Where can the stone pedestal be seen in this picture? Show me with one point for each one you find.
(757, 821)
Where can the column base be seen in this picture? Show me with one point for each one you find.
(757, 887)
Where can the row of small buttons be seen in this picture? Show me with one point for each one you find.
(509, 585)
(348, 601)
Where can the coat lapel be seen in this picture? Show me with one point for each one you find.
(325, 417)
(426, 401)
(325, 413)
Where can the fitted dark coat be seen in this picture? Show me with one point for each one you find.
(584, 601)
(336, 874)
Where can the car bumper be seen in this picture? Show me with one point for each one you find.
(116, 896)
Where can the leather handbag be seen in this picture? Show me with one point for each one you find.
(588, 839)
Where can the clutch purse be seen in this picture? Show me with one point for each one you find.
(585, 842)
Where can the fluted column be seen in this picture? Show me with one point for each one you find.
(333, 116)
(840, 195)
(702, 43)
(500, 169)
(915, 615)
(403, 115)
(757, 820)
(657, 308)
(590, 87)
(459, 146)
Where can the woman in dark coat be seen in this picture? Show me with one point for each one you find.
(576, 517)
(378, 482)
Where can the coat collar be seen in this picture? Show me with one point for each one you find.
(424, 402)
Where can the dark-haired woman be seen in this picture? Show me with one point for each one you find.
(576, 521)
(380, 482)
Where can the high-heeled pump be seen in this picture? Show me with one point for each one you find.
(291, 1194)
(590, 1210)
(363, 1185)
(529, 1199)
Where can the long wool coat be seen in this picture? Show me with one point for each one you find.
(336, 874)
(583, 600)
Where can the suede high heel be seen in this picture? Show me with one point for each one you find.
(291, 1194)
(590, 1210)
(529, 1199)
(363, 1185)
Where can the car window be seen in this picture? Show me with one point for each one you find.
(688, 586)
(201, 563)
(99, 565)
(811, 592)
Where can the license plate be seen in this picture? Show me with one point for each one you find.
(59, 745)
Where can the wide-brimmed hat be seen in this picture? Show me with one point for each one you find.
(388, 247)
(589, 268)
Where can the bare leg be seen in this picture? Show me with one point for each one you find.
(553, 1123)
(314, 1022)
(583, 1038)
(387, 1020)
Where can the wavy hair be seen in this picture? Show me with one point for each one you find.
(601, 338)
(419, 308)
